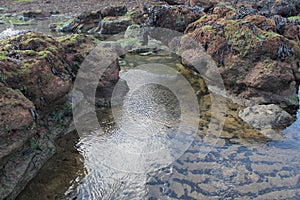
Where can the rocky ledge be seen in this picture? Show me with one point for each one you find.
(36, 77)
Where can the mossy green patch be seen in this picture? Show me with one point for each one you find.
(26, 52)
(3, 9)
(245, 38)
(17, 21)
(3, 55)
(208, 29)
(115, 19)
(294, 18)
(44, 54)
(241, 38)
(61, 25)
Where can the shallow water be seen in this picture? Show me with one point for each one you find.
(41, 26)
(141, 152)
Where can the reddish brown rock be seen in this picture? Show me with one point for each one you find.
(283, 8)
(16, 120)
(35, 65)
(255, 62)
(173, 17)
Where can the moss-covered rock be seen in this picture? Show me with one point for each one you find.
(34, 64)
(115, 25)
(254, 60)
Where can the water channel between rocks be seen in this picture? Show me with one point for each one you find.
(239, 164)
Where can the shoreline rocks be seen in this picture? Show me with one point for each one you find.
(36, 77)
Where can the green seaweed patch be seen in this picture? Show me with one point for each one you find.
(26, 52)
(243, 39)
(2, 9)
(208, 29)
(116, 19)
(3, 55)
(294, 18)
(44, 54)
(296, 48)
(18, 21)
(59, 26)
(76, 39)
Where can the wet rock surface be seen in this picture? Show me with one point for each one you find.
(36, 73)
(266, 116)
(255, 62)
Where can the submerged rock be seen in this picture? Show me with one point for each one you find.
(264, 117)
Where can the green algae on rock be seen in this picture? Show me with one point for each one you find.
(245, 49)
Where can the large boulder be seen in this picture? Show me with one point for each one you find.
(255, 61)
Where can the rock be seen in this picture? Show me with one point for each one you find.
(173, 17)
(91, 21)
(176, 2)
(23, 146)
(114, 11)
(34, 64)
(283, 8)
(205, 4)
(76, 47)
(115, 25)
(138, 16)
(21, 166)
(255, 62)
(135, 31)
(16, 121)
(84, 22)
(37, 14)
(264, 117)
